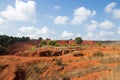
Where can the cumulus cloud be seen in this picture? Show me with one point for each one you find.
(90, 34)
(105, 33)
(106, 24)
(110, 8)
(22, 11)
(61, 20)
(92, 26)
(34, 32)
(28, 29)
(81, 14)
(66, 34)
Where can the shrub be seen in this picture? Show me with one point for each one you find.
(52, 43)
(43, 42)
(3, 50)
(58, 61)
(78, 40)
(99, 43)
(57, 44)
(77, 54)
(98, 54)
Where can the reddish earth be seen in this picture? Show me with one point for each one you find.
(27, 62)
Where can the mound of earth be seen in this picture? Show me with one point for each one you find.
(47, 52)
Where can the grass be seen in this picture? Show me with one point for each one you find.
(33, 71)
(98, 54)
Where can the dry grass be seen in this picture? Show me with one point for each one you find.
(33, 71)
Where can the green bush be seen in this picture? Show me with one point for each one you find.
(52, 43)
(78, 40)
(98, 54)
(43, 42)
(57, 44)
(3, 50)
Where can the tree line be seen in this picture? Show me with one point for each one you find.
(6, 40)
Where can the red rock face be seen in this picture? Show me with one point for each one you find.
(71, 42)
(86, 42)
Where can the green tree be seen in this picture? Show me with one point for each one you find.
(40, 38)
(3, 50)
(78, 40)
(10, 41)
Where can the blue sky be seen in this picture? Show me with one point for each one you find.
(61, 19)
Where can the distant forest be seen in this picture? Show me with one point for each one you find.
(6, 40)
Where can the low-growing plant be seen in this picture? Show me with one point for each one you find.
(52, 43)
(77, 54)
(34, 70)
(98, 54)
(43, 42)
(57, 44)
(58, 61)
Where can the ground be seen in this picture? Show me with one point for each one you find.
(90, 62)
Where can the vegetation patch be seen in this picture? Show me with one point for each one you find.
(98, 54)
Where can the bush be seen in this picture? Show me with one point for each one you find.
(77, 54)
(98, 54)
(3, 50)
(99, 43)
(44, 42)
(78, 40)
(57, 44)
(58, 62)
(52, 43)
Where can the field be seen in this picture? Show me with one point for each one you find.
(85, 62)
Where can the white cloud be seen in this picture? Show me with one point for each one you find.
(90, 34)
(2, 21)
(116, 13)
(118, 30)
(106, 24)
(44, 30)
(57, 7)
(110, 8)
(78, 35)
(66, 34)
(35, 32)
(1, 33)
(22, 11)
(81, 14)
(61, 20)
(92, 26)
(105, 33)
(28, 29)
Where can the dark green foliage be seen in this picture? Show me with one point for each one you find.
(3, 50)
(78, 40)
(5, 40)
(43, 42)
(52, 43)
(10, 41)
(40, 38)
